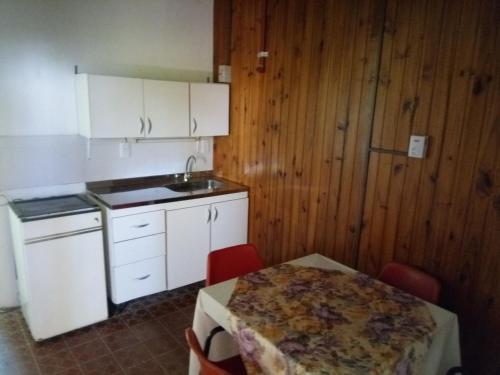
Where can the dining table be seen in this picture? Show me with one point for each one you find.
(313, 315)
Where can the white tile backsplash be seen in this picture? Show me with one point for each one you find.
(37, 161)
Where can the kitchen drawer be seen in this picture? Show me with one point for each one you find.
(140, 225)
(139, 279)
(131, 251)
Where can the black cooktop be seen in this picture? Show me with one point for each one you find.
(42, 208)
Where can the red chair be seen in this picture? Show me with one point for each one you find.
(411, 280)
(230, 366)
(232, 262)
(225, 264)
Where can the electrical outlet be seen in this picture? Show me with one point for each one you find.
(224, 73)
(124, 150)
(418, 146)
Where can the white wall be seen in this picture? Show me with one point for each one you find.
(41, 41)
(39, 161)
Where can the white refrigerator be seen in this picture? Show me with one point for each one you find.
(60, 272)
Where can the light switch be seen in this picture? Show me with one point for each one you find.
(418, 146)
(224, 73)
(124, 150)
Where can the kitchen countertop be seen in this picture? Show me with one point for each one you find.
(141, 191)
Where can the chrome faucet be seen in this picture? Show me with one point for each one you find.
(189, 167)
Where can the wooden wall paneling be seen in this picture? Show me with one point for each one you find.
(303, 52)
(293, 70)
(419, 116)
(325, 164)
(438, 216)
(435, 223)
(307, 86)
(258, 112)
(222, 35)
(300, 136)
(308, 191)
(273, 124)
(357, 129)
(340, 123)
(277, 150)
(317, 166)
(479, 89)
(355, 163)
(342, 40)
(404, 115)
(267, 129)
(391, 169)
(253, 84)
(438, 76)
(380, 166)
(222, 49)
(473, 180)
(285, 130)
(384, 83)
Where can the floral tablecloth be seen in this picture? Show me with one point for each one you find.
(293, 319)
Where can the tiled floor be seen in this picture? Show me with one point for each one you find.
(146, 338)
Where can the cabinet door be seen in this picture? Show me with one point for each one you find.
(188, 241)
(67, 284)
(166, 106)
(229, 223)
(116, 107)
(209, 109)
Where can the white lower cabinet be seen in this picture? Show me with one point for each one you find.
(193, 232)
(165, 246)
(188, 244)
(140, 278)
(127, 252)
(229, 224)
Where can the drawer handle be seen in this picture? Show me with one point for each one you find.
(143, 277)
(141, 225)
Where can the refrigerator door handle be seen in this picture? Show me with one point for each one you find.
(62, 235)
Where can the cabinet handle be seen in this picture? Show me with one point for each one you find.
(150, 125)
(142, 126)
(195, 125)
(209, 215)
(143, 277)
(216, 213)
(141, 225)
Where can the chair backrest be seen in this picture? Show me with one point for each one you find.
(207, 367)
(232, 262)
(411, 280)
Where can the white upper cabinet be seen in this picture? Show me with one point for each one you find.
(110, 107)
(120, 107)
(209, 109)
(166, 108)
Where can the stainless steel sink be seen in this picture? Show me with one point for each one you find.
(195, 185)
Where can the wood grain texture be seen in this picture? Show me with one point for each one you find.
(440, 77)
(347, 76)
(300, 131)
(222, 35)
